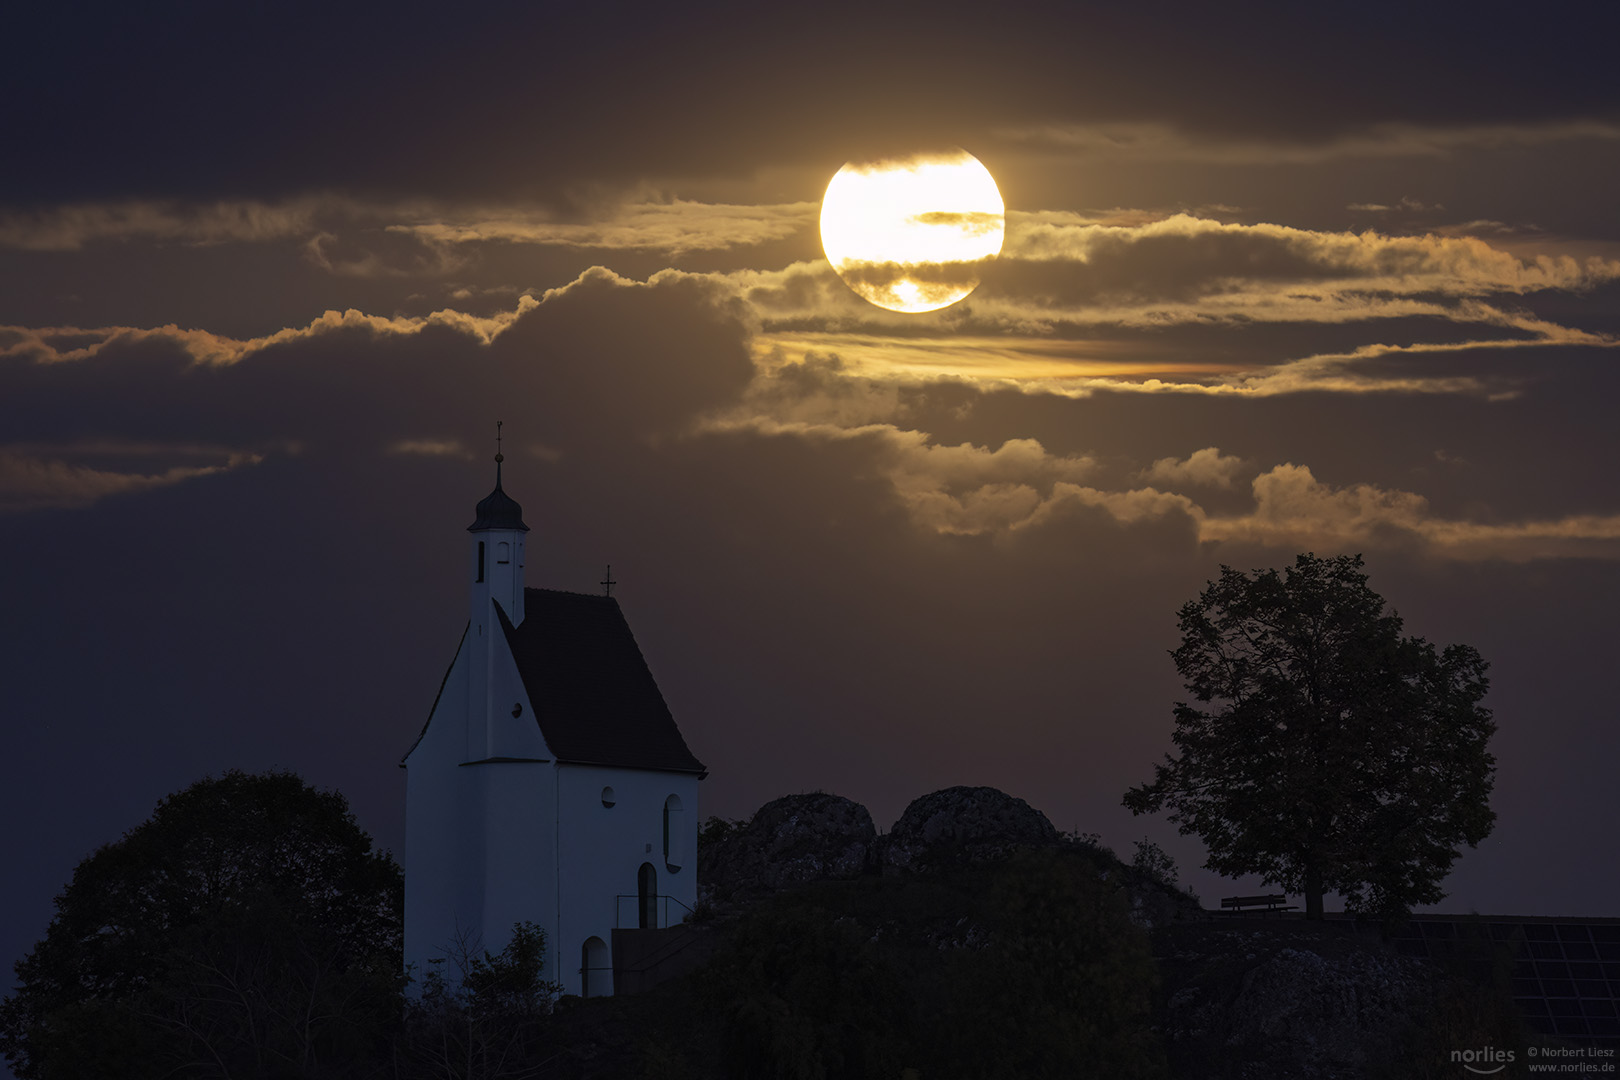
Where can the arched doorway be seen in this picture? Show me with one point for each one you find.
(647, 895)
(595, 973)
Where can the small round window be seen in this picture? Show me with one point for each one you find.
(607, 797)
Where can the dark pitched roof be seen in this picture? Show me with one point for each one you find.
(593, 696)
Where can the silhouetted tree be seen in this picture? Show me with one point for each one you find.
(247, 929)
(1325, 751)
(490, 1023)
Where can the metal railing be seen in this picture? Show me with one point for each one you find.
(661, 904)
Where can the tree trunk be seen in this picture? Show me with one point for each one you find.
(1313, 891)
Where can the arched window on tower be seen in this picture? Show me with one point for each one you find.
(674, 834)
(503, 553)
(480, 560)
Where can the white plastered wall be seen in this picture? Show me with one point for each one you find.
(443, 859)
(480, 850)
(518, 801)
(601, 851)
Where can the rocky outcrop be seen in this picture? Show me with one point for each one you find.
(1326, 1008)
(964, 824)
(1287, 1000)
(791, 841)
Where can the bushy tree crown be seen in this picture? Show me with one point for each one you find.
(1323, 749)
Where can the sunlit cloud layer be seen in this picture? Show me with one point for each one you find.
(1071, 311)
(1059, 364)
(71, 227)
(450, 448)
(673, 228)
(974, 490)
(1061, 270)
(1203, 468)
(1080, 368)
(1408, 264)
(34, 482)
(66, 343)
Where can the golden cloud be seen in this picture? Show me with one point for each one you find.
(962, 489)
(1402, 265)
(71, 227)
(451, 448)
(31, 482)
(674, 228)
(1294, 509)
(66, 343)
(975, 490)
(1058, 279)
(342, 235)
(1203, 468)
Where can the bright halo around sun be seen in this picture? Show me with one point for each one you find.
(911, 234)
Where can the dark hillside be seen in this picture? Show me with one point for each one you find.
(1028, 966)
(973, 942)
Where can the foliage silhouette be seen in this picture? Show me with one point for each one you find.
(1028, 966)
(1153, 861)
(246, 929)
(1325, 751)
(492, 1023)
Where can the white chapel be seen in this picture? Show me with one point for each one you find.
(550, 783)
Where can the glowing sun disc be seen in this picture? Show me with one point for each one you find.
(910, 234)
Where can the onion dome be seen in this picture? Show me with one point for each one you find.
(498, 510)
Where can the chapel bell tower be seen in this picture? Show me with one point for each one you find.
(495, 576)
(497, 552)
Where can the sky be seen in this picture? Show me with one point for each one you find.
(1342, 280)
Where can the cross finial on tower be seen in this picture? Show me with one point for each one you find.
(607, 582)
(499, 457)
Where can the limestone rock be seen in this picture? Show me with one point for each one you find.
(1287, 1000)
(964, 823)
(1329, 1006)
(791, 841)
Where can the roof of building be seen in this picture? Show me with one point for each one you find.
(592, 693)
(498, 510)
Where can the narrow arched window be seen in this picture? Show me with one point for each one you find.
(480, 560)
(503, 553)
(674, 834)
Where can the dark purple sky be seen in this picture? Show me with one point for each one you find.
(1272, 283)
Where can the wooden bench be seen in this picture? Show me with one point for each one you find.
(1237, 905)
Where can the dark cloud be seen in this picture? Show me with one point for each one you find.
(549, 98)
(601, 361)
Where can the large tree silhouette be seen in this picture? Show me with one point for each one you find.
(1324, 750)
(246, 929)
